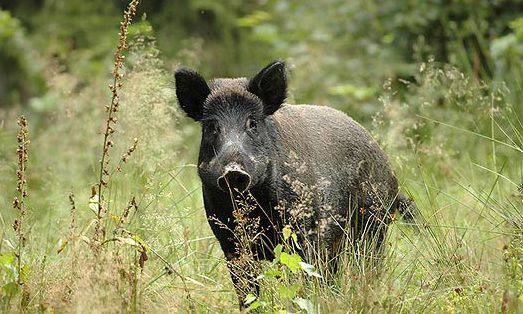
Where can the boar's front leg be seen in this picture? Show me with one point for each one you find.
(243, 274)
(241, 264)
(242, 267)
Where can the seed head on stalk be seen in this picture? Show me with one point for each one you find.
(21, 191)
(112, 109)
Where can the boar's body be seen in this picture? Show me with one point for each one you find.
(335, 160)
(336, 149)
(349, 173)
(310, 167)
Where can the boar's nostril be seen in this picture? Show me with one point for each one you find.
(234, 180)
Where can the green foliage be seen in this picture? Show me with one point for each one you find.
(8, 26)
(11, 277)
(19, 65)
(285, 277)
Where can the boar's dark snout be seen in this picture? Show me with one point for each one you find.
(234, 178)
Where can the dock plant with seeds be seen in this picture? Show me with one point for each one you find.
(121, 235)
(14, 260)
(19, 200)
(111, 120)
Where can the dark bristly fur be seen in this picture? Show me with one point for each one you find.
(278, 147)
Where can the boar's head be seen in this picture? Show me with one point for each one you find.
(235, 114)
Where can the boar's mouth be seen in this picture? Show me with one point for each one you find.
(234, 178)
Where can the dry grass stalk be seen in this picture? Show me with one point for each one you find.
(73, 235)
(72, 224)
(112, 109)
(20, 206)
(19, 199)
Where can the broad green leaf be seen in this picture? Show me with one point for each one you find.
(10, 289)
(309, 269)
(249, 298)
(292, 261)
(254, 305)
(286, 232)
(272, 273)
(305, 305)
(288, 292)
(7, 258)
(7, 262)
(11, 270)
(277, 252)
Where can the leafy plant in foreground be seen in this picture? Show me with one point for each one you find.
(285, 274)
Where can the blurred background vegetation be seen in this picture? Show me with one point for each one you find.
(439, 83)
(341, 52)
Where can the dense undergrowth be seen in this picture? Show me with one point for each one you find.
(455, 141)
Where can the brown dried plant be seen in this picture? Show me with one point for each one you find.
(21, 192)
(72, 223)
(112, 109)
(73, 235)
(21, 207)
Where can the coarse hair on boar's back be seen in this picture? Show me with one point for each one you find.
(309, 167)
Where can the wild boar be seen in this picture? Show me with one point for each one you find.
(252, 143)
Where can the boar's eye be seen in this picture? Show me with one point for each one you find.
(251, 124)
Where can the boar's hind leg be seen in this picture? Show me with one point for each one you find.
(369, 228)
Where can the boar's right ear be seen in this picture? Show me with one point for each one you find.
(191, 90)
(270, 85)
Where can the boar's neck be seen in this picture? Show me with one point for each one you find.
(273, 182)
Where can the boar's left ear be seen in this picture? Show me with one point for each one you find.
(191, 90)
(270, 85)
